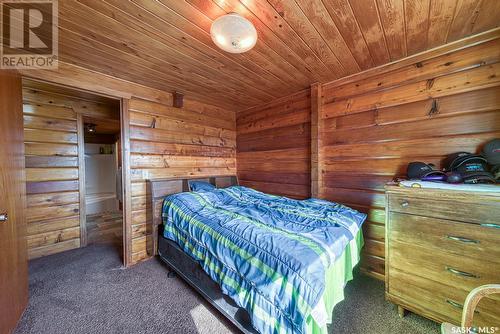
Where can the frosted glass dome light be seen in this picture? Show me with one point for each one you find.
(233, 33)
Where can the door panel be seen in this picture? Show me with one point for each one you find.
(13, 247)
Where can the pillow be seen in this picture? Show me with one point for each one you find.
(200, 186)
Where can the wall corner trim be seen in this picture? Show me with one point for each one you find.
(316, 108)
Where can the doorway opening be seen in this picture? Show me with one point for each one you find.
(73, 168)
(103, 200)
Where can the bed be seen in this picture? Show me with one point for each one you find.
(269, 264)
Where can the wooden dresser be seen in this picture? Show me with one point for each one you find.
(441, 244)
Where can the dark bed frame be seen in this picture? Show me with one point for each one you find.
(178, 261)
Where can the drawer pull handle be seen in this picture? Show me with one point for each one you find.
(465, 240)
(490, 225)
(404, 204)
(461, 273)
(457, 305)
(454, 304)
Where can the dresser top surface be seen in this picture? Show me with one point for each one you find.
(444, 194)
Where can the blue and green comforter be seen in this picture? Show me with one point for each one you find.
(268, 253)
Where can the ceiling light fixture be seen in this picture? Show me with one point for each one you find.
(90, 127)
(233, 33)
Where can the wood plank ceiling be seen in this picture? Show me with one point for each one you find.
(166, 44)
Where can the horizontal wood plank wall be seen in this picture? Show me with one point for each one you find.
(373, 126)
(181, 156)
(51, 148)
(165, 142)
(274, 146)
(52, 174)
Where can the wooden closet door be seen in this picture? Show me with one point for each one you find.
(13, 247)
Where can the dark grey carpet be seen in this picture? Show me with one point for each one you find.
(87, 291)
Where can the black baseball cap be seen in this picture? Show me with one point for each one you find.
(417, 170)
(471, 166)
(491, 152)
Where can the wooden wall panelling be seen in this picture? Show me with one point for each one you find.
(452, 62)
(374, 125)
(128, 231)
(55, 166)
(81, 78)
(81, 180)
(370, 127)
(149, 108)
(481, 77)
(160, 43)
(297, 180)
(52, 186)
(166, 142)
(51, 148)
(37, 88)
(274, 146)
(316, 131)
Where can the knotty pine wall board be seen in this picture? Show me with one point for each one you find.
(374, 126)
(165, 142)
(273, 146)
(51, 135)
(369, 126)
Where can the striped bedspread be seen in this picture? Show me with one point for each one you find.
(268, 253)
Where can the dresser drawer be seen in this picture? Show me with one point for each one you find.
(443, 302)
(458, 271)
(486, 212)
(440, 245)
(461, 239)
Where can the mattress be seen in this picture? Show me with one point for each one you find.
(276, 257)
